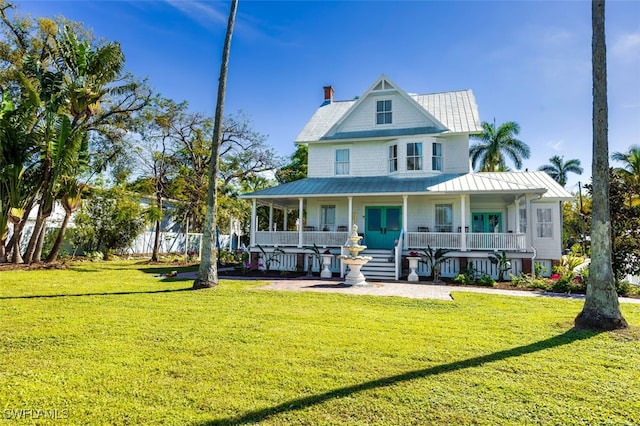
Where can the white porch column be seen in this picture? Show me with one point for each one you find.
(300, 222)
(517, 221)
(286, 221)
(405, 220)
(270, 217)
(254, 223)
(350, 221)
(463, 222)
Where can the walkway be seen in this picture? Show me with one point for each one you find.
(422, 290)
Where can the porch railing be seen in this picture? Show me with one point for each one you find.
(415, 240)
(309, 238)
(474, 241)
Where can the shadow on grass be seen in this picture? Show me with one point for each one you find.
(256, 416)
(114, 293)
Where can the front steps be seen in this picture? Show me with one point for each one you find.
(381, 267)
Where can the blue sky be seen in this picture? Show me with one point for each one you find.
(526, 61)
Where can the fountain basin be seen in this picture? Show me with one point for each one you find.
(355, 276)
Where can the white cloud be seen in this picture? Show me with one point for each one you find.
(203, 13)
(627, 46)
(556, 146)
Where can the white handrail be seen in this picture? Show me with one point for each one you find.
(398, 255)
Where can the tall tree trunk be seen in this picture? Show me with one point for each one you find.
(37, 254)
(3, 251)
(208, 271)
(156, 240)
(601, 309)
(17, 236)
(57, 245)
(38, 228)
(156, 243)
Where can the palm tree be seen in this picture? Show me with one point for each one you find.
(208, 271)
(630, 171)
(488, 155)
(71, 80)
(601, 308)
(558, 169)
(631, 161)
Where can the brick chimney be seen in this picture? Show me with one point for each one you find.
(328, 94)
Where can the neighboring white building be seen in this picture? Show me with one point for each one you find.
(397, 165)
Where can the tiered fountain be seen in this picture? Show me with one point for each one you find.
(355, 261)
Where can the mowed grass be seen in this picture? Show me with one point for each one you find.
(110, 343)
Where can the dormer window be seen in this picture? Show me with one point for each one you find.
(383, 112)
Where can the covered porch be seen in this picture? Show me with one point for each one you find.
(462, 222)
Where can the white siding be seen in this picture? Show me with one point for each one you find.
(371, 158)
(455, 154)
(404, 114)
(547, 248)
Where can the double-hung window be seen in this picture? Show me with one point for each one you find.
(545, 223)
(444, 218)
(383, 112)
(327, 218)
(436, 159)
(523, 220)
(342, 161)
(414, 156)
(393, 158)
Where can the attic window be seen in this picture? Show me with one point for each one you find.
(383, 112)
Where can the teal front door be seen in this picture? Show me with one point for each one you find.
(382, 226)
(487, 222)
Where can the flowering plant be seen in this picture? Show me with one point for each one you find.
(327, 251)
(414, 254)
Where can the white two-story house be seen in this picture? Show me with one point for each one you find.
(396, 164)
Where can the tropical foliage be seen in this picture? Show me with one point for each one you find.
(495, 144)
(70, 115)
(559, 170)
(71, 103)
(630, 171)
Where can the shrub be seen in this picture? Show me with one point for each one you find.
(486, 280)
(462, 279)
(623, 288)
(538, 270)
(94, 256)
(468, 276)
(521, 281)
(227, 257)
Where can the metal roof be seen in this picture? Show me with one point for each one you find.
(457, 110)
(470, 183)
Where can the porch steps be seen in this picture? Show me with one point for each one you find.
(381, 267)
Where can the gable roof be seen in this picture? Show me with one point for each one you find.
(455, 111)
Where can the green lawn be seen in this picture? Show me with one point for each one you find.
(110, 343)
